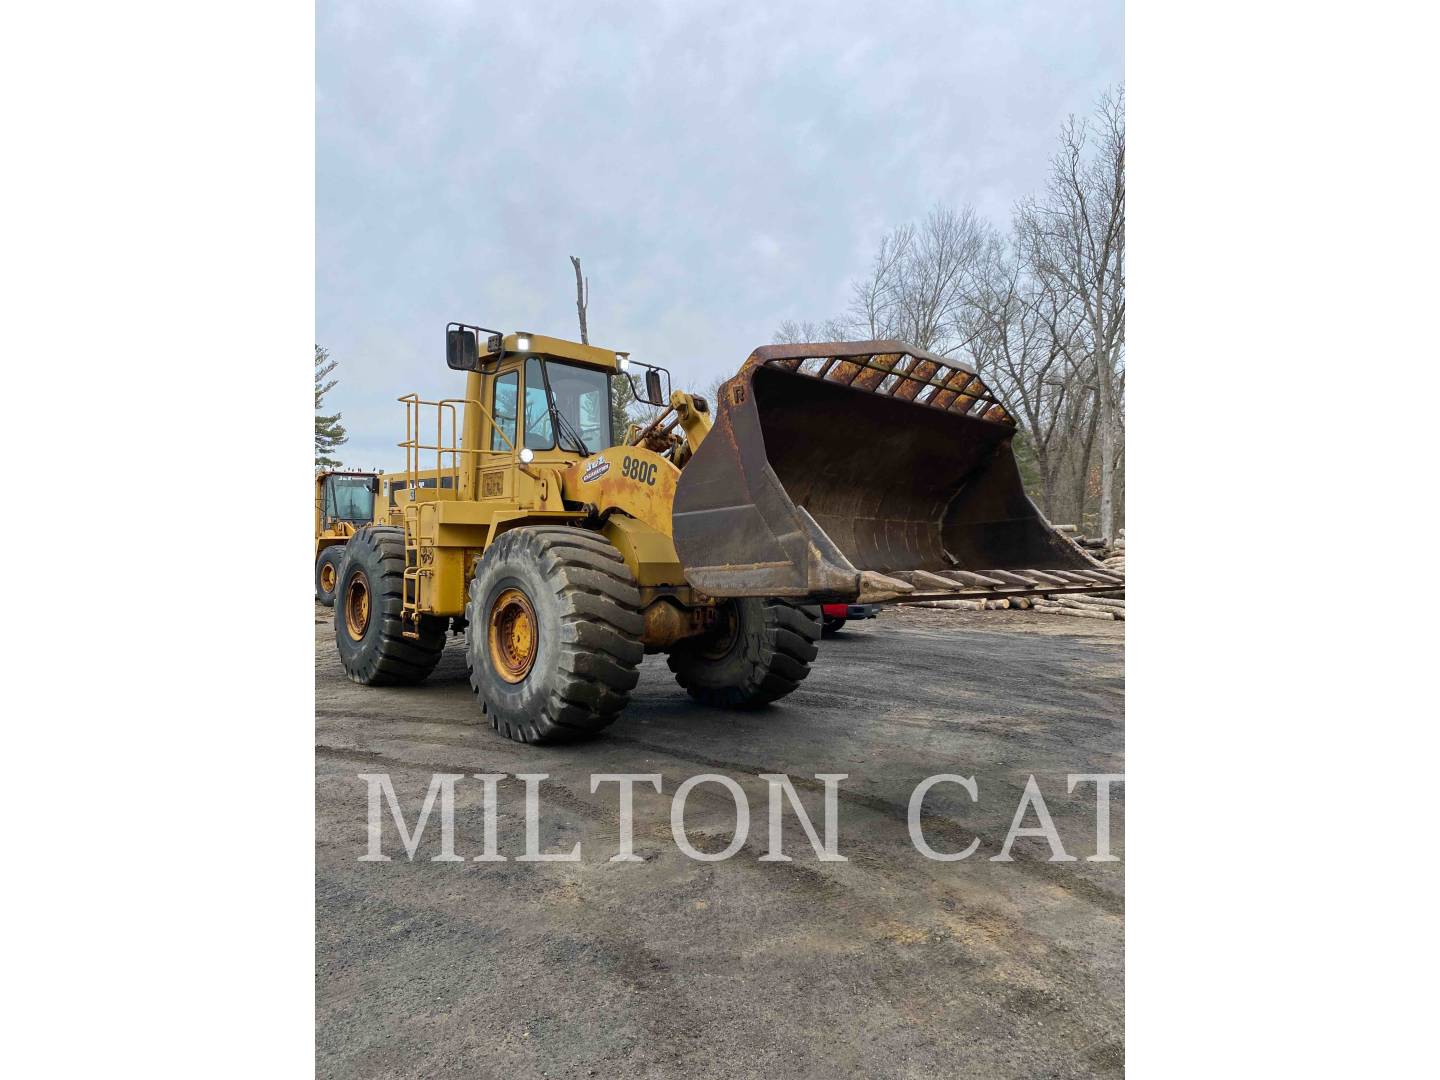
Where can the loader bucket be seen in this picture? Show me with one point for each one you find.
(864, 470)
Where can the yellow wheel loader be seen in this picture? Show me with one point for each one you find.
(344, 501)
(869, 472)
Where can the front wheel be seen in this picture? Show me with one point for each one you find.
(759, 651)
(553, 630)
(368, 601)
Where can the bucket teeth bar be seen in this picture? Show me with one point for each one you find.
(913, 585)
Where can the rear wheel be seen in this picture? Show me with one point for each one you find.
(368, 599)
(327, 573)
(759, 651)
(553, 633)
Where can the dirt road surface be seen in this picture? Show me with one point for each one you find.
(886, 965)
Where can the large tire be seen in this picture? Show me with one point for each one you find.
(372, 648)
(327, 573)
(760, 651)
(553, 634)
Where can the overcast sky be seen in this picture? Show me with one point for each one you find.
(718, 167)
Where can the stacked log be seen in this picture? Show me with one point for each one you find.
(1080, 606)
(1114, 555)
(1044, 607)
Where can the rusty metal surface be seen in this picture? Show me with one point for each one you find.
(829, 460)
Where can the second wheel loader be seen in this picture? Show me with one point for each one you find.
(344, 501)
(847, 472)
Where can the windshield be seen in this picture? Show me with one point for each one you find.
(349, 498)
(582, 396)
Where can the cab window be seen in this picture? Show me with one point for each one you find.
(582, 398)
(349, 498)
(507, 389)
(539, 433)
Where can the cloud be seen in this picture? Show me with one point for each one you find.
(718, 168)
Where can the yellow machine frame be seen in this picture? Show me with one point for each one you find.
(629, 489)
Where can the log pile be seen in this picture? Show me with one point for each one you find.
(1112, 556)
(1107, 607)
(1081, 606)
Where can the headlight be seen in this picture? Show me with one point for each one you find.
(622, 361)
(526, 456)
(522, 342)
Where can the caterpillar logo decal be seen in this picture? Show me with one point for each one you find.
(636, 469)
(596, 469)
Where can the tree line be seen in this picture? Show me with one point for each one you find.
(1038, 309)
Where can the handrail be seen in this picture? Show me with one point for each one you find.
(414, 447)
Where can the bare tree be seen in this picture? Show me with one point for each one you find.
(1072, 238)
(624, 408)
(791, 332)
(874, 298)
(1040, 312)
(582, 299)
(937, 278)
(1021, 340)
(921, 277)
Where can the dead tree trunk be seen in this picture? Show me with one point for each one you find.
(582, 299)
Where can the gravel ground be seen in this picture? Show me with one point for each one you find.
(887, 965)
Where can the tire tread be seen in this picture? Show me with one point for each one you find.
(599, 632)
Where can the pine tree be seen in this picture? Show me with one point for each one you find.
(329, 432)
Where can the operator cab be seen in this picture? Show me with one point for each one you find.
(579, 421)
(349, 498)
(548, 394)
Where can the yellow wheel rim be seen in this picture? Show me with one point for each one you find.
(357, 606)
(512, 635)
(327, 577)
(716, 645)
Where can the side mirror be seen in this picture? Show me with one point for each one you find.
(374, 485)
(653, 390)
(462, 350)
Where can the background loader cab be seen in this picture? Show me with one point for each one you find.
(344, 501)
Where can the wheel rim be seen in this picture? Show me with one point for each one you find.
(327, 576)
(717, 644)
(511, 632)
(357, 606)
